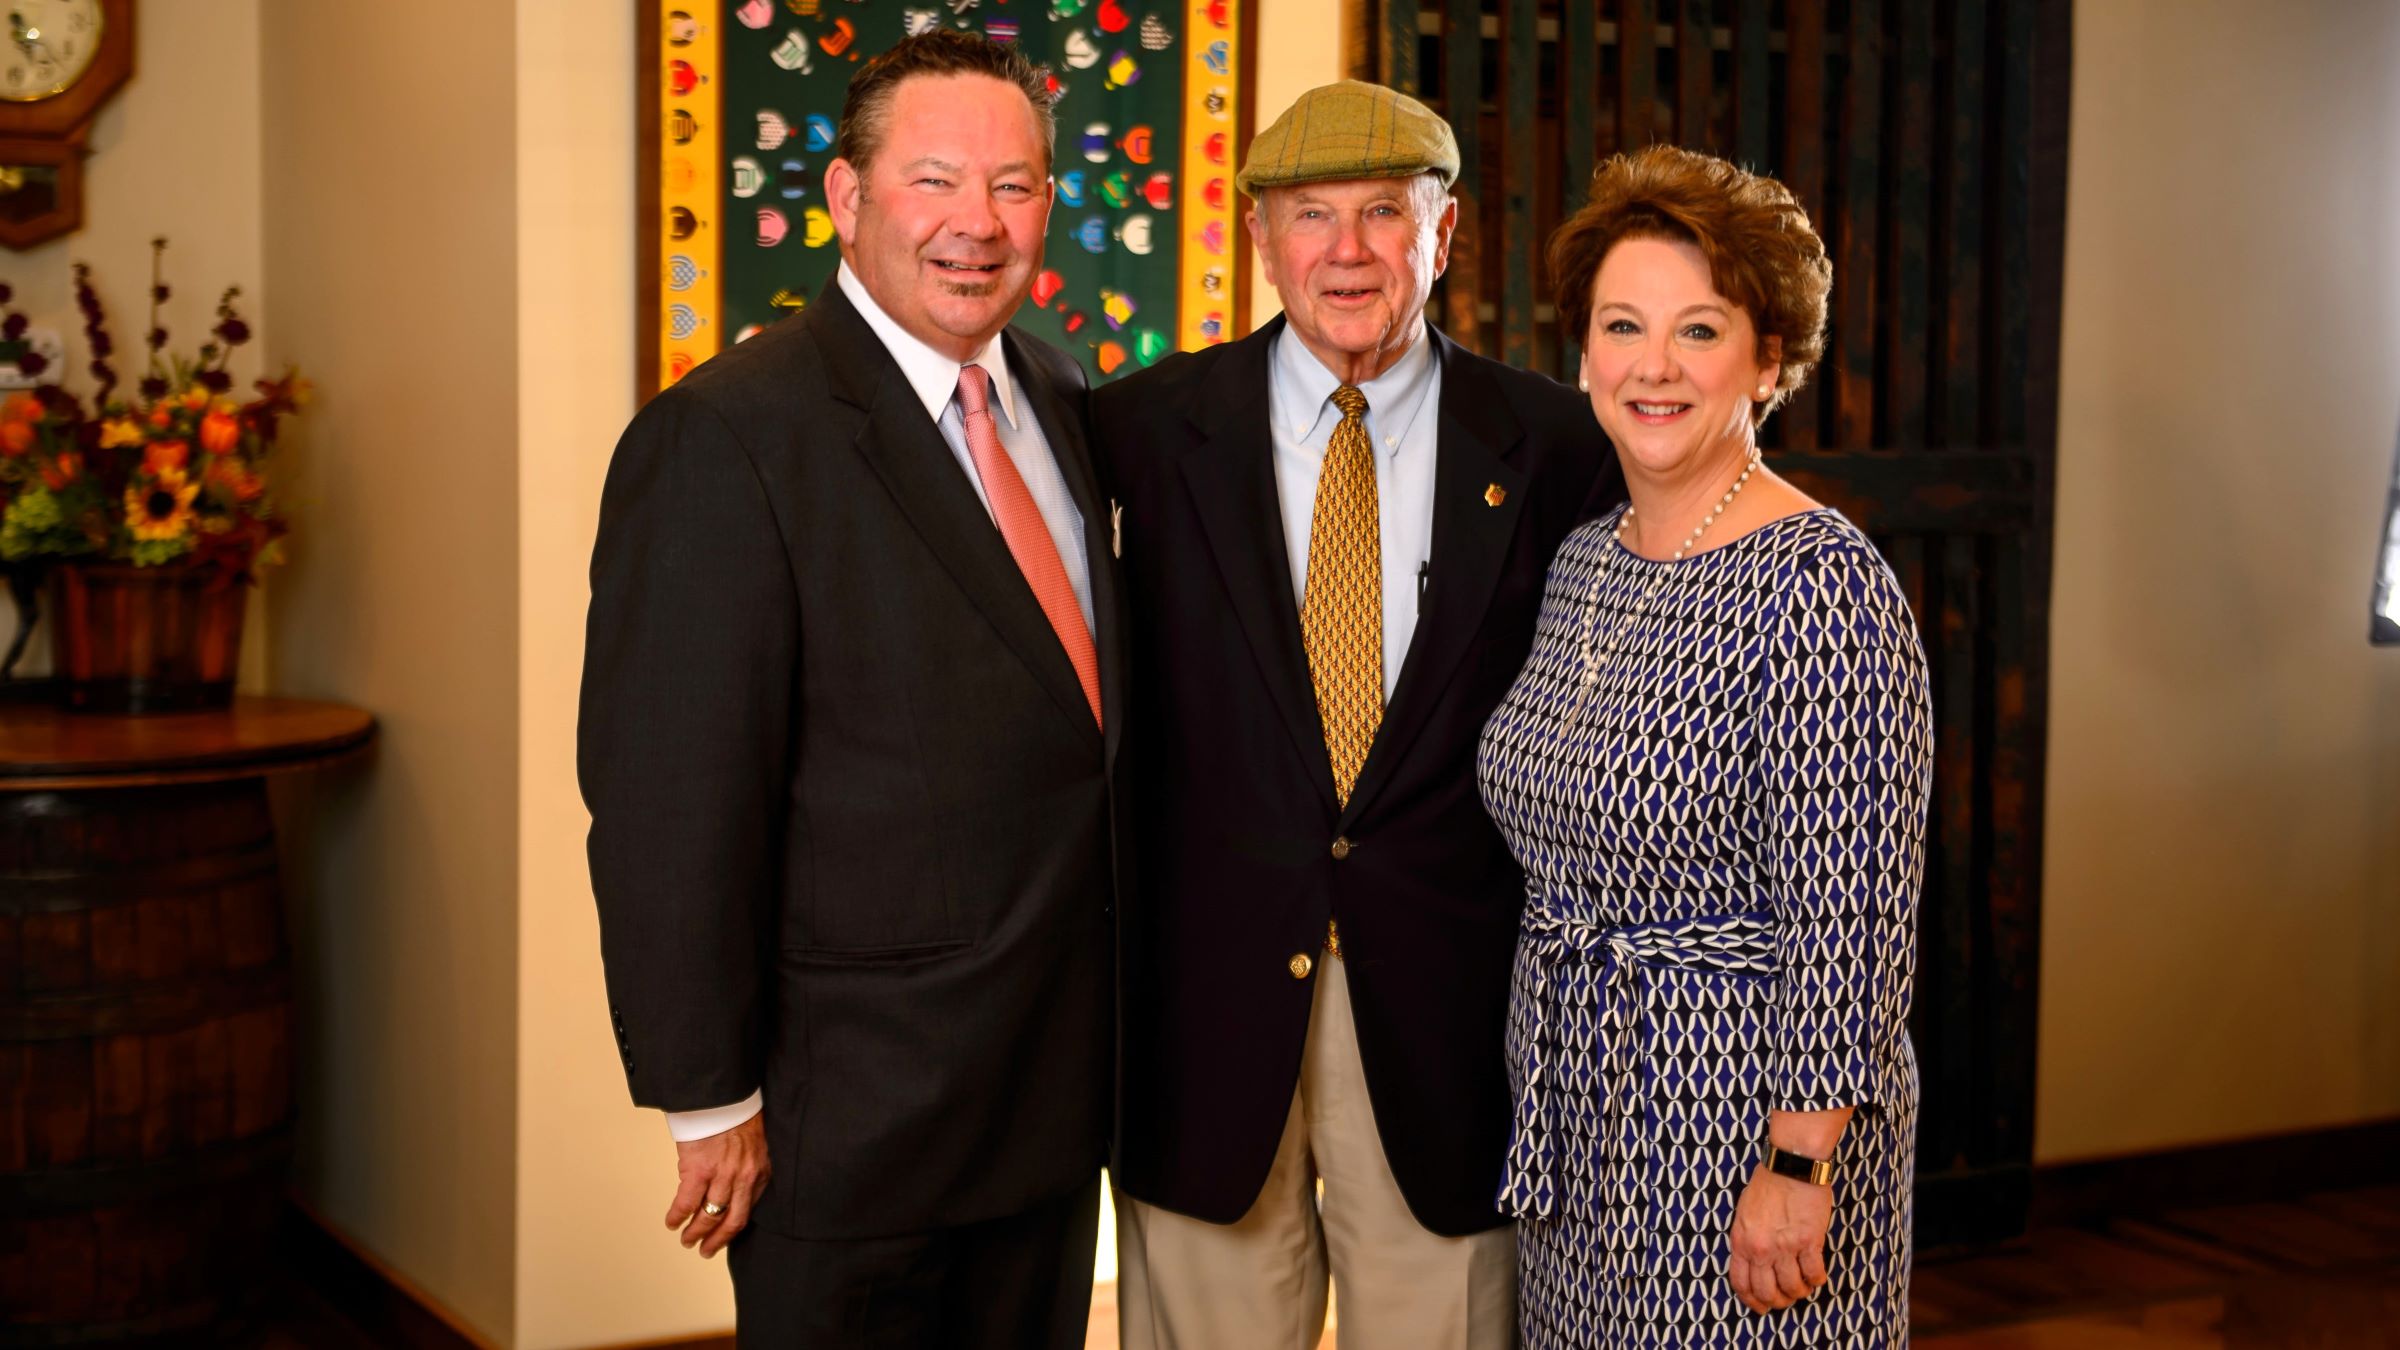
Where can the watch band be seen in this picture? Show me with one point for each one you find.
(1814, 1171)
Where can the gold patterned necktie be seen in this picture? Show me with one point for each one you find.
(1341, 607)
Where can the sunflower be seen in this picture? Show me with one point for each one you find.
(162, 511)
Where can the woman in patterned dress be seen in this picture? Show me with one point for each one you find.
(1713, 768)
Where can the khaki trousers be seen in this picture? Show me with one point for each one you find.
(1330, 1207)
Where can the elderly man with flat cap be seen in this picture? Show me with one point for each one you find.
(1334, 536)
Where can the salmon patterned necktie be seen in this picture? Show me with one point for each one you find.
(1024, 530)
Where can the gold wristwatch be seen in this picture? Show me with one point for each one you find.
(1814, 1171)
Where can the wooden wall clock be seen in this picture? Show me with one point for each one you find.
(60, 60)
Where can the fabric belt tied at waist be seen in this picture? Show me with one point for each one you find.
(1584, 1015)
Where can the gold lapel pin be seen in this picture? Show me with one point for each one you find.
(1494, 495)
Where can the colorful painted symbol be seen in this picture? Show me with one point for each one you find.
(915, 22)
(792, 182)
(1000, 30)
(1093, 234)
(1212, 326)
(1116, 307)
(1149, 345)
(772, 227)
(1074, 321)
(748, 177)
(1116, 189)
(1212, 237)
(1212, 281)
(1137, 144)
(681, 78)
(681, 28)
(679, 365)
(682, 321)
(1046, 286)
(1155, 35)
(756, 13)
(1122, 72)
(1095, 142)
(1135, 235)
(681, 223)
(1112, 17)
(1159, 190)
(1218, 57)
(1217, 102)
(816, 227)
(820, 132)
(792, 52)
(1494, 494)
(1220, 13)
(1110, 356)
(1214, 147)
(682, 175)
(682, 272)
(773, 131)
(1068, 9)
(1057, 88)
(838, 41)
(749, 331)
(1079, 51)
(1070, 188)
(683, 126)
(1214, 194)
(806, 9)
(790, 302)
(959, 7)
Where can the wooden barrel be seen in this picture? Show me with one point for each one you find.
(145, 1061)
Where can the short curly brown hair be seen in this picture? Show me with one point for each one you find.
(1762, 253)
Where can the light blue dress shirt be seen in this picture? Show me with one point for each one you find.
(1403, 423)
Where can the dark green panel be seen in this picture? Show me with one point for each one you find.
(1520, 76)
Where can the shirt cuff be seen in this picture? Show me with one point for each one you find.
(687, 1126)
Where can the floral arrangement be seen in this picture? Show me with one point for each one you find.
(174, 475)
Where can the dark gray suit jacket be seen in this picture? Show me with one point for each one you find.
(851, 819)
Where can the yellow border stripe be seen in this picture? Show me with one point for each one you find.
(689, 176)
(1198, 304)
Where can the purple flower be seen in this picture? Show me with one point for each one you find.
(6, 294)
(154, 386)
(33, 364)
(234, 331)
(160, 294)
(215, 381)
(158, 339)
(12, 328)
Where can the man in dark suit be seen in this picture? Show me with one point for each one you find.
(1335, 533)
(849, 712)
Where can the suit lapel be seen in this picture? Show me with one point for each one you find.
(907, 451)
(1471, 533)
(1231, 476)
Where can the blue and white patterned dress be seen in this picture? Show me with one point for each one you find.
(1714, 772)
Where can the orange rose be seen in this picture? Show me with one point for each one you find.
(161, 415)
(220, 433)
(21, 408)
(166, 455)
(15, 438)
(63, 470)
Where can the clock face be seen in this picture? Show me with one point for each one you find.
(45, 46)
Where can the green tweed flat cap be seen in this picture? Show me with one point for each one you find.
(1350, 129)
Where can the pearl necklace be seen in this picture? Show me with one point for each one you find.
(1722, 502)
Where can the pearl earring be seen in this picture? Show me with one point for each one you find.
(1583, 382)
(1763, 391)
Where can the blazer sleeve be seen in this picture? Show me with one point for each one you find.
(683, 751)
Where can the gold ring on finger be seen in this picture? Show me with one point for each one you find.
(712, 1209)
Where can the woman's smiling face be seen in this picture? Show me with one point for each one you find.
(1674, 368)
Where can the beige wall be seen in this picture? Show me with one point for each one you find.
(594, 1265)
(390, 211)
(2221, 950)
(1299, 47)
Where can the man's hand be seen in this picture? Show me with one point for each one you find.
(726, 1170)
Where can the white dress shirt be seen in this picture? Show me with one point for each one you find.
(1403, 425)
(934, 379)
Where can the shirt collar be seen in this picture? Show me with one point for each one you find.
(930, 374)
(1301, 393)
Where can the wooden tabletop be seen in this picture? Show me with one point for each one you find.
(47, 748)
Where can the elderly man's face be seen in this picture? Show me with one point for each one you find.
(945, 225)
(1353, 262)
